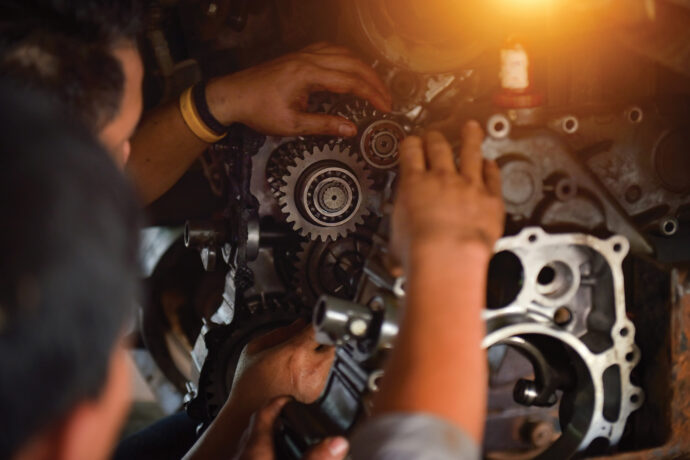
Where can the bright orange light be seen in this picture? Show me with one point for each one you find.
(527, 4)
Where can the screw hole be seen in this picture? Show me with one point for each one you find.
(624, 332)
(533, 238)
(617, 247)
(546, 276)
(634, 399)
(630, 357)
(635, 116)
(563, 316)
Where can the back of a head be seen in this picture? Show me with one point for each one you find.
(68, 271)
(64, 48)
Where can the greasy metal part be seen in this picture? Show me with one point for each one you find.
(202, 234)
(337, 321)
(604, 341)
(333, 267)
(380, 142)
(428, 39)
(674, 413)
(326, 194)
(379, 134)
(640, 160)
(584, 363)
(598, 129)
(546, 155)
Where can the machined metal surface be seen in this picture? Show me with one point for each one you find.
(567, 318)
(585, 276)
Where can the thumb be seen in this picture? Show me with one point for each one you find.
(265, 419)
(329, 449)
(310, 124)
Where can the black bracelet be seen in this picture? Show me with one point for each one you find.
(199, 97)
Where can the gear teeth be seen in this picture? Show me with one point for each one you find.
(336, 151)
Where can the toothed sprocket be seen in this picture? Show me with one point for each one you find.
(326, 192)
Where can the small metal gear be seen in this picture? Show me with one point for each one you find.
(380, 134)
(326, 192)
(332, 268)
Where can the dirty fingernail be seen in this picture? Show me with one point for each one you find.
(338, 446)
(347, 130)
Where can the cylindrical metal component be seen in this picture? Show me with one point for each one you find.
(525, 392)
(338, 320)
(202, 234)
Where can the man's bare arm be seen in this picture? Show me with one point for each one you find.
(445, 222)
(270, 98)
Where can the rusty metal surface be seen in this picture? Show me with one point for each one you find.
(677, 445)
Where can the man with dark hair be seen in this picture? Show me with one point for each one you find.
(82, 55)
(72, 50)
(69, 278)
(69, 283)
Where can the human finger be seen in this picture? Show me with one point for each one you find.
(329, 449)
(352, 65)
(327, 48)
(262, 421)
(492, 178)
(306, 124)
(347, 83)
(439, 152)
(411, 153)
(471, 161)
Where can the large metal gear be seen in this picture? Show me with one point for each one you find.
(326, 192)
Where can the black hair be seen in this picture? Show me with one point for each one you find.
(68, 266)
(65, 47)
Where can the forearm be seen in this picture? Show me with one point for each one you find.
(437, 365)
(163, 148)
(222, 438)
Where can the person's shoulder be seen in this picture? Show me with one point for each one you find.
(410, 436)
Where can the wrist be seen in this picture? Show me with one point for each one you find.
(222, 100)
(448, 253)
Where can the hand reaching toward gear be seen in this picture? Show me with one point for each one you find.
(272, 98)
(443, 200)
(257, 441)
(285, 362)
